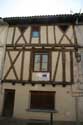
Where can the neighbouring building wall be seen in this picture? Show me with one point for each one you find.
(3, 39)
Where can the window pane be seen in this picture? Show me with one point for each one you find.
(37, 67)
(35, 34)
(37, 58)
(44, 67)
(44, 58)
(37, 63)
(44, 62)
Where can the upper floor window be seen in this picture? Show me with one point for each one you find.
(35, 31)
(41, 61)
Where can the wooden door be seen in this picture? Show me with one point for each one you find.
(8, 104)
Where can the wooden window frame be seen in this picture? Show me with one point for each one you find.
(35, 28)
(48, 62)
(45, 104)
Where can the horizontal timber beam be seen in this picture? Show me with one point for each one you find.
(48, 49)
(57, 47)
(44, 45)
(38, 82)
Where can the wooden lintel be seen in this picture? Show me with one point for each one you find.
(45, 45)
(12, 48)
(38, 82)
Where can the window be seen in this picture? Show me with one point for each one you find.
(42, 100)
(40, 62)
(35, 31)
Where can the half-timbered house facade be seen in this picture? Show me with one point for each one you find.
(43, 68)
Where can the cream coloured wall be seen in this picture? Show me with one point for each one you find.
(64, 102)
(11, 74)
(67, 69)
(59, 34)
(70, 34)
(10, 35)
(26, 68)
(17, 34)
(51, 35)
(43, 33)
(48, 33)
(59, 67)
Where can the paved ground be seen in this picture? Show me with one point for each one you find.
(9, 121)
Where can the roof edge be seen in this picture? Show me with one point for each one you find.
(45, 19)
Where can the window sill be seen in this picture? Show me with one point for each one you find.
(42, 110)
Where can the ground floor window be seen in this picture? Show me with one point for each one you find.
(42, 100)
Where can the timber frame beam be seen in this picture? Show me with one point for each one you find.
(44, 47)
(53, 83)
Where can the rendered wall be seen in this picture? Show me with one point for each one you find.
(64, 102)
